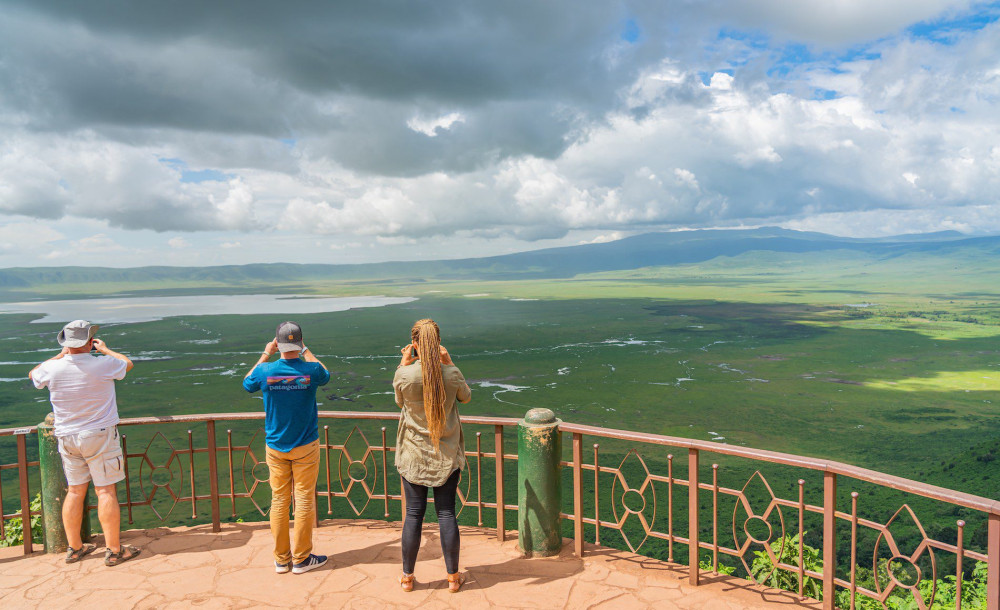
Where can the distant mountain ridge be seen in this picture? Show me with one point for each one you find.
(646, 250)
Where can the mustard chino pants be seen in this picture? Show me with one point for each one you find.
(298, 468)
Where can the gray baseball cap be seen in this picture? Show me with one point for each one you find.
(289, 337)
(76, 333)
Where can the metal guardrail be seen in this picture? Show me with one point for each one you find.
(636, 513)
(831, 515)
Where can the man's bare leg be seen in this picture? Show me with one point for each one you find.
(109, 514)
(72, 514)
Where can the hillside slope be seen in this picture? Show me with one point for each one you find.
(647, 250)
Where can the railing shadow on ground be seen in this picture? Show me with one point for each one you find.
(168, 542)
(528, 572)
(771, 596)
(515, 569)
(681, 572)
(164, 541)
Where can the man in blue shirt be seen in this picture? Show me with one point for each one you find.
(291, 428)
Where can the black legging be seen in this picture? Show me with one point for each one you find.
(416, 506)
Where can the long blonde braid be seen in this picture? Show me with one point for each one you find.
(427, 338)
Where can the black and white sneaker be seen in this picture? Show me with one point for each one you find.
(282, 568)
(311, 563)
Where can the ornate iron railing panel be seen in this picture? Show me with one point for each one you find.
(355, 469)
(761, 520)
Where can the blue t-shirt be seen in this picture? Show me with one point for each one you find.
(291, 417)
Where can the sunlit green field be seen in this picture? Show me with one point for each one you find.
(892, 365)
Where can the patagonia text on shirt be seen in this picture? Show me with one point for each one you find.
(285, 383)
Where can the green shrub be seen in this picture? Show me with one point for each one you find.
(706, 566)
(762, 570)
(14, 528)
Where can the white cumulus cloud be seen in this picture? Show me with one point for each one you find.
(430, 127)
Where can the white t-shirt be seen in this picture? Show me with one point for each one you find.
(82, 391)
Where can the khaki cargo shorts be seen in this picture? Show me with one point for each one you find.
(92, 455)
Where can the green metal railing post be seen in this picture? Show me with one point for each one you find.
(539, 450)
(54, 490)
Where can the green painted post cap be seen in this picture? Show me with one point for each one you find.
(540, 416)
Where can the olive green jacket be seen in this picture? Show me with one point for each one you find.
(416, 459)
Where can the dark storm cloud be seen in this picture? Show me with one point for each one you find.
(71, 77)
(282, 69)
(376, 139)
(457, 51)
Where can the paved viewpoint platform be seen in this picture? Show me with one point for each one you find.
(193, 567)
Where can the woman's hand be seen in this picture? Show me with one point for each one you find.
(408, 357)
(445, 356)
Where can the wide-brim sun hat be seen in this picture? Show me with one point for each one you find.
(76, 333)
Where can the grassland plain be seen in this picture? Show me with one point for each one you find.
(892, 364)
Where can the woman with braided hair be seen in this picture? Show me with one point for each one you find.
(430, 447)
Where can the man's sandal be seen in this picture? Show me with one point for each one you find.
(75, 555)
(455, 582)
(406, 582)
(112, 559)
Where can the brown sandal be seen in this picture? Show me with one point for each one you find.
(111, 559)
(406, 582)
(455, 582)
(75, 555)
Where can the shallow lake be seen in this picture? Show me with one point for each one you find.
(124, 309)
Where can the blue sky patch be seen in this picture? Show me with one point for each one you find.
(630, 31)
(823, 94)
(949, 31)
(195, 176)
(752, 38)
(783, 60)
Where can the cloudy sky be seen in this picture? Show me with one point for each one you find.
(192, 132)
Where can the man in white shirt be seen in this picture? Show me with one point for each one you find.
(82, 391)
